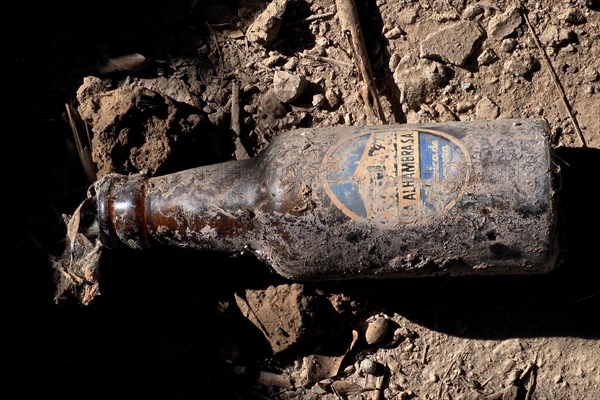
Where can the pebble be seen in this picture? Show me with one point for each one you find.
(486, 109)
(318, 100)
(408, 16)
(591, 74)
(464, 106)
(332, 96)
(574, 17)
(520, 66)
(508, 45)
(368, 366)
(288, 87)
(394, 33)
(487, 56)
(466, 86)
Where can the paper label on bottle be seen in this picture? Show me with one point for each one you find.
(395, 177)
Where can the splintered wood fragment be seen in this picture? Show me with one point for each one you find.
(125, 63)
(83, 141)
(350, 24)
(240, 150)
(555, 78)
(313, 17)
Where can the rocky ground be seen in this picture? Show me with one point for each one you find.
(156, 87)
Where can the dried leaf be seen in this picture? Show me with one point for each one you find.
(78, 265)
(126, 63)
(320, 367)
(234, 33)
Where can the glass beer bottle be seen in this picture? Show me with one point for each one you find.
(454, 198)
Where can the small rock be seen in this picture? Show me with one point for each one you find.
(556, 37)
(574, 17)
(266, 26)
(249, 108)
(464, 106)
(350, 369)
(508, 45)
(271, 105)
(486, 109)
(394, 33)
(467, 86)
(591, 74)
(487, 56)
(288, 87)
(445, 114)
(503, 25)
(418, 80)
(333, 97)
(272, 60)
(433, 377)
(453, 44)
(520, 66)
(368, 366)
(472, 11)
(318, 100)
(291, 63)
(408, 16)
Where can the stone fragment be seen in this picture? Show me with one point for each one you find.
(508, 45)
(503, 25)
(554, 36)
(285, 314)
(521, 65)
(487, 57)
(464, 106)
(486, 109)
(418, 81)
(453, 44)
(394, 33)
(591, 74)
(574, 16)
(271, 105)
(288, 87)
(408, 16)
(333, 96)
(266, 26)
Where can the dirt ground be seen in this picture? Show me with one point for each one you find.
(162, 86)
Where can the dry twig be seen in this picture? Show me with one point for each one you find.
(350, 24)
(240, 151)
(555, 78)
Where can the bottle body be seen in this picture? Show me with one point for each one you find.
(459, 198)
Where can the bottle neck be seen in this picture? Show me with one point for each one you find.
(205, 208)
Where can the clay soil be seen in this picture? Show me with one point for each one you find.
(161, 86)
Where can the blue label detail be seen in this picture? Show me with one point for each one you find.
(395, 176)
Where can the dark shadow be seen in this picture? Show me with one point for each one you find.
(563, 302)
(294, 35)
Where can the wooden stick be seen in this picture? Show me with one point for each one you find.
(350, 24)
(240, 150)
(555, 79)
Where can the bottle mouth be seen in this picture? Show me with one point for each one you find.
(121, 213)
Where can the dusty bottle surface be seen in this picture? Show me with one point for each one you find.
(457, 198)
